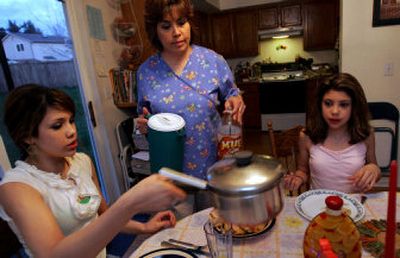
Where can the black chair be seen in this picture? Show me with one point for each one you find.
(9, 244)
(385, 120)
(133, 170)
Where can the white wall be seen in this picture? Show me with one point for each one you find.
(60, 52)
(365, 50)
(10, 45)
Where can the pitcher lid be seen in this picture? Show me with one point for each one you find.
(166, 122)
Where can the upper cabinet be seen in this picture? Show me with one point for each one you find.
(201, 30)
(234, 34)
(280, 16)
(321, 24)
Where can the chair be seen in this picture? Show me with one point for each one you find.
(284, 146)
(133, 170)
(385, 120)
(9, 243)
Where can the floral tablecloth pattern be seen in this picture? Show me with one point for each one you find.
(285, 239)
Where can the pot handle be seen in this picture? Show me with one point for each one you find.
(183, 178)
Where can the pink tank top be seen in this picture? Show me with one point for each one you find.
(331, 169)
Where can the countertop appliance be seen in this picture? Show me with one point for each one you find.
(283, 94)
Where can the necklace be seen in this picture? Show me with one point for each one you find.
(58, 169)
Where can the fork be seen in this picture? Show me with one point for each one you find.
(201, 249)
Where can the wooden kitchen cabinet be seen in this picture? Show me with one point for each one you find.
(321, 24)
(201, 30)
(234, 34)
(280, 16)
(251, 98)
(222, 34)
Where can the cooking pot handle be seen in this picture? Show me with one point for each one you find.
(183, 178)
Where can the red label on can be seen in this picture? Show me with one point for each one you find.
(229, 145)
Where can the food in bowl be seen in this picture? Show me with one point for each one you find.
(221, 225)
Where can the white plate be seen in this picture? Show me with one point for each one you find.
(169, 252)
(311, 203)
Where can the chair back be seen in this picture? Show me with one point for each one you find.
(285, 148)
(9, 243)
(385, 120)
(124, 130)
(133, 169)
(284, 145)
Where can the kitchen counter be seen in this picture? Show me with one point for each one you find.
(307, 75)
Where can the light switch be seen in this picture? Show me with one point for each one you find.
(388, 69)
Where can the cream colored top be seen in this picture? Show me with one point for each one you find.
(74, 202)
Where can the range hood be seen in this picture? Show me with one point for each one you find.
(280, 32)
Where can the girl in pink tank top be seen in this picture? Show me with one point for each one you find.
(337, 147)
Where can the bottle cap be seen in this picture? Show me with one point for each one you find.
(334, 202)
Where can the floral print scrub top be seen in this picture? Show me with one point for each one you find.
(194, 94)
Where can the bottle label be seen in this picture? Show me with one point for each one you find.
(229, 144)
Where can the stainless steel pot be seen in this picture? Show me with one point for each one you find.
(247, 188)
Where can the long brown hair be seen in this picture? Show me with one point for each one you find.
(155, 11)
(25, 108)
(358, 124)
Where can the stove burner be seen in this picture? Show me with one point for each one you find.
(283, 76)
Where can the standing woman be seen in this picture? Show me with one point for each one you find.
(187, 80)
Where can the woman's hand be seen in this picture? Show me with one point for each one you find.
(154, 193)
(236, 105)
(292, 182)
(365, 178)
(163, 219)
(141, 122)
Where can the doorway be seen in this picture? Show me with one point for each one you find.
(39, 50)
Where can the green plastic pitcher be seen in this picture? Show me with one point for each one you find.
(166, 136)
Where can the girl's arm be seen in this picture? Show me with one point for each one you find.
(365, 178)
(43, 235)
(293, 181)
(371, 155)
(159, 221)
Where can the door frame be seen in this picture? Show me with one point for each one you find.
(75, 13)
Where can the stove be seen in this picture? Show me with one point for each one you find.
(281, 72)
(282, 95)
(282, 76)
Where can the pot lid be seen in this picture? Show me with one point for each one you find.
(244, 174)
(166, 122)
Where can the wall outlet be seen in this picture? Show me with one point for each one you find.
(388, 69)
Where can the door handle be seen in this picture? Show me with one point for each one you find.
(91, 113)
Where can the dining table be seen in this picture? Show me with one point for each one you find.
(283, 239)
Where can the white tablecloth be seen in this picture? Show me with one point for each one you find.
(285, 239)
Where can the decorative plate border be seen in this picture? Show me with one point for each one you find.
(168, 251)
(359, 207)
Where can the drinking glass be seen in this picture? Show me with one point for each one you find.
(219, 242)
